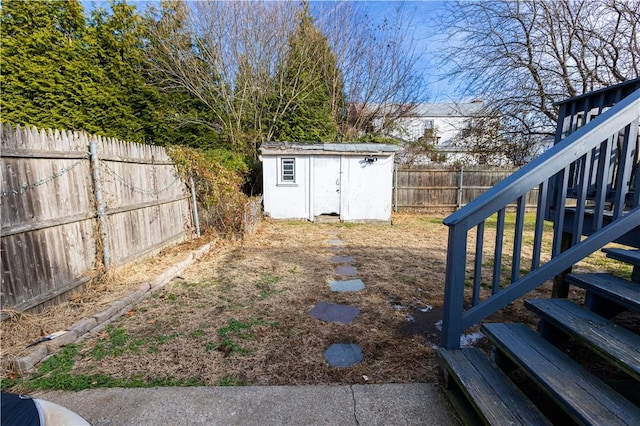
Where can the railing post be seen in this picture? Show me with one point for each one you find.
(100, 208)
(562, 172)
(560, 287)
(454, 287)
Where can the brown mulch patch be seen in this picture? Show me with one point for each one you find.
(241, 315)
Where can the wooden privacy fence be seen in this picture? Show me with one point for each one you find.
(445, 190)
(72, 202)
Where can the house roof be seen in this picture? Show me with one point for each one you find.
(449, 110)
(279, 148)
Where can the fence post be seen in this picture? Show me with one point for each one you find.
(196, 219)
(102, 216)
(460, 187)
(395, 188)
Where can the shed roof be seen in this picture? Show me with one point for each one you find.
(279, 148)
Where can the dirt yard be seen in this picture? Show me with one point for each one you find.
(241, 314)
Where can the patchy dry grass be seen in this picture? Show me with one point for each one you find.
(99, 293)
(241, 314)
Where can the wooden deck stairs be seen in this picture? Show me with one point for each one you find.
(581, 365)
(481, 387)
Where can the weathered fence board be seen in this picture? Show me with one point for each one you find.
(51, 239)
(145, 211)
(445, 190)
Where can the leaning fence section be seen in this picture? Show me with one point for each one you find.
(146, 202)
(67, 209)
(445, 190)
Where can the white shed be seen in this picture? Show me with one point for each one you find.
(307, 180)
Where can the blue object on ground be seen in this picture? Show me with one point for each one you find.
(343, 354)
(335, 242)
(334, 313)
(20, 410)
(348, 285)
(342, 259)
(346, 271)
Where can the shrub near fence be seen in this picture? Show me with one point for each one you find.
(445, 190)
(66, 213)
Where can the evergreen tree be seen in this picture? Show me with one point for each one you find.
(59, 72)
(310, 84)
(186, 110)
(116, 41)
(46, 78)
(251, 101)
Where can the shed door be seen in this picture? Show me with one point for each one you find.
(326, 185)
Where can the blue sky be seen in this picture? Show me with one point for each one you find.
(424, 24)
(427, 42)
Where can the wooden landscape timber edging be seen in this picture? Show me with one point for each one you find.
(72, 203)
(97, 322)
(445, 190)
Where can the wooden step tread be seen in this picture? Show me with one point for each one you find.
(583, 396)
(617, 344)
(628, 256)
(610, 287)
(493, 396)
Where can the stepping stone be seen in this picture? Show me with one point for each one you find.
(346, 271)
(332, 312)
(345, 286)
(342, 259)
(335, 242)
(343, 354)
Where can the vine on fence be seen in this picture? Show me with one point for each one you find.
(218, 178)
(128, 184)
(27, 186)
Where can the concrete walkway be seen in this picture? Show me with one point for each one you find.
(386, 404)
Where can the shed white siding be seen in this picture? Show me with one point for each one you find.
(367, 189)
(328, 179)
(286, 200)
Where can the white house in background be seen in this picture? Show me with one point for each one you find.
(448, 119)
(443, 120)
(308, 180)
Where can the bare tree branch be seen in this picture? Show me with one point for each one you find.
(227, 54)
(523, 56)
(528, 54)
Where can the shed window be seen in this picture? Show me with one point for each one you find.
(428, 124)
(289, 170)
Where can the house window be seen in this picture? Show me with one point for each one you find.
(288, 171)
(428, 124)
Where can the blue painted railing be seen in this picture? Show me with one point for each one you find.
(587, 185)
